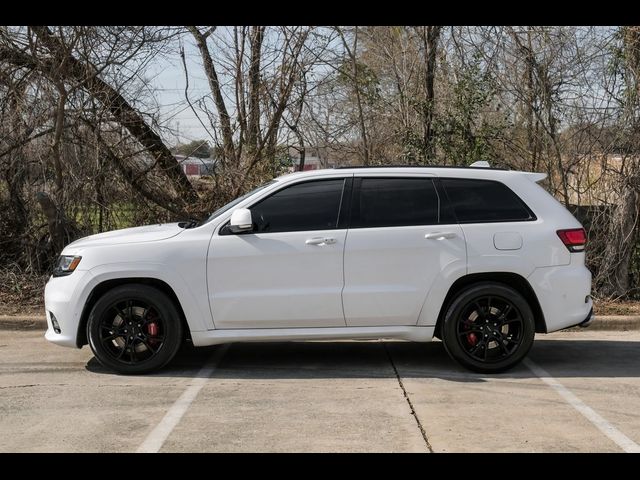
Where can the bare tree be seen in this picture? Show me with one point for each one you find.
(265, 64)
(622, 235)
(354, 73)
(430, 36)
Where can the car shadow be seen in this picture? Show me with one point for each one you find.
(360, 359)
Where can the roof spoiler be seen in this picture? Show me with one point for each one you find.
(480, 164)
(535, 176)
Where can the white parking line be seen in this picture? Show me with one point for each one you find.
(619, 438)
(156, 438)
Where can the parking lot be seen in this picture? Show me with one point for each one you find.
(579, 392)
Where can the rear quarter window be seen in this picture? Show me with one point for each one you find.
(476, 201)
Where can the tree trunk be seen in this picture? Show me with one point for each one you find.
(302, 156)
(532, 122)
(216, 91)
(55, 146)
(253, 127)
(61, 230)
(355, 77)
(121, 110)
(430, 37)
(356, 84)
(613, 278)
(137, 181)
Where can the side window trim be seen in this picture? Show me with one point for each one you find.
(346, 201)
(355, 199)
(446, 213)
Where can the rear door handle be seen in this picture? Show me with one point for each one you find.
(440, 235)
(320, 241)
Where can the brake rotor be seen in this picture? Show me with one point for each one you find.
(136, 312)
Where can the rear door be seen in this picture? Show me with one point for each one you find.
(397, 244)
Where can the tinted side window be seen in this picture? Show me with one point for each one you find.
(395, 202)
(305, 206)
(485, 201)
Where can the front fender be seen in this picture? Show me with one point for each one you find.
(198, 317)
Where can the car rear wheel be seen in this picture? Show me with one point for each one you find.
(134, 329)
(488, 328)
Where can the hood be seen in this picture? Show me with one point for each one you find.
(148, 233)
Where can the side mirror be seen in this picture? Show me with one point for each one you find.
(241, 221)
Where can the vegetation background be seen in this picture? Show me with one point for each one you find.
(84, 147)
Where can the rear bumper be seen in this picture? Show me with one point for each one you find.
(564, 293)
(587, 321)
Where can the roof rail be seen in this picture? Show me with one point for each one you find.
(423, 166)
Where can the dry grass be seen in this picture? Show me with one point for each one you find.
(616, 308)
(20, 293)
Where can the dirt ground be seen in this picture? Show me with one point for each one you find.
(617, 308)
(21, 294)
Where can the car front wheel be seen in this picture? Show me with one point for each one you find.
(134, 329)
(488, 328)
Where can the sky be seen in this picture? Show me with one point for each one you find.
(168, 79)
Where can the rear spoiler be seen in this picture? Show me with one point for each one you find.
(535, 176)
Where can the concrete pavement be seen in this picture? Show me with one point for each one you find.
(322, 396)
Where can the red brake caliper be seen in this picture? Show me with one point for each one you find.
(152, 330)
(471, 337)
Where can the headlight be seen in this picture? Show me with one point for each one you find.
(65, 265)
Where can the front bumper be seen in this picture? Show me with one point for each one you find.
(64, 297)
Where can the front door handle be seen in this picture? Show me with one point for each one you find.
(440, 235)
(320, 241)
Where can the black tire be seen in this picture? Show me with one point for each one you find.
(488, 327)
(134, 329)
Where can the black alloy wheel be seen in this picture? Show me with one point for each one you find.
(488, 328)
(134, 329)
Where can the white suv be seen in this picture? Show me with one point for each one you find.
(481, 258)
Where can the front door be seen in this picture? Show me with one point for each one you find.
(397, 246)
(287, 272)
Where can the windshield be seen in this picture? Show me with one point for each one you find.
(233, 203)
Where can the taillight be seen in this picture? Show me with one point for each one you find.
(574, 239)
